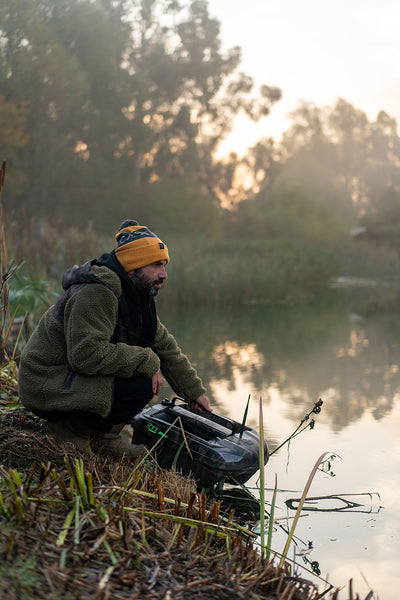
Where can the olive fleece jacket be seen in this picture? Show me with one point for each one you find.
(72, 368)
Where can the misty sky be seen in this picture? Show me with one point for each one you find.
(315, 50)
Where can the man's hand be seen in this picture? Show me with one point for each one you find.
(202, 404)
(156, 382)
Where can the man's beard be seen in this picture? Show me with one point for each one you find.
(144, 285)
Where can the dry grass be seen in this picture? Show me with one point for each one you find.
(78, 527)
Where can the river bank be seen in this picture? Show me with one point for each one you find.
(97, 528)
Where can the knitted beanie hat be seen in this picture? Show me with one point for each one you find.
(138, 246)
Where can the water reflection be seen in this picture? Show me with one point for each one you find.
(291, 357)
(308, 352)
(336, 503)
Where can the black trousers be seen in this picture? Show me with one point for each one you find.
(130, 396)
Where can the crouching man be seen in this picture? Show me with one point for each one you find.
(99, 355)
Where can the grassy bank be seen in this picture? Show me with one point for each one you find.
(95, 528)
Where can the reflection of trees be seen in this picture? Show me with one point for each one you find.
(306, 352)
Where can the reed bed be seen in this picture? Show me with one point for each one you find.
(74, 526)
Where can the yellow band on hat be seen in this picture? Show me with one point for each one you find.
(142, 251)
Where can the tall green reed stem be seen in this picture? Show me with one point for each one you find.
(299, 508)
(271, 519)
(3, 269)
(262, 484)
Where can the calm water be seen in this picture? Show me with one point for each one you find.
(290, 358)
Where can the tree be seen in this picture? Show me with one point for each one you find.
(336, 155)
(36, 70)
(340, 144)
(191, 212)
(118, 93)
(185, 91)
(383, 157)
(287, 213)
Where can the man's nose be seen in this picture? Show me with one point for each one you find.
(163, 273)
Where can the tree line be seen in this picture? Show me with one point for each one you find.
(116, 108)
(101, 98)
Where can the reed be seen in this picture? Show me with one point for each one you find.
(8, 365)
(262, 473)
(305, 423)
(300, 506)
(239, 271)
(3, 268)
(271, 519)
